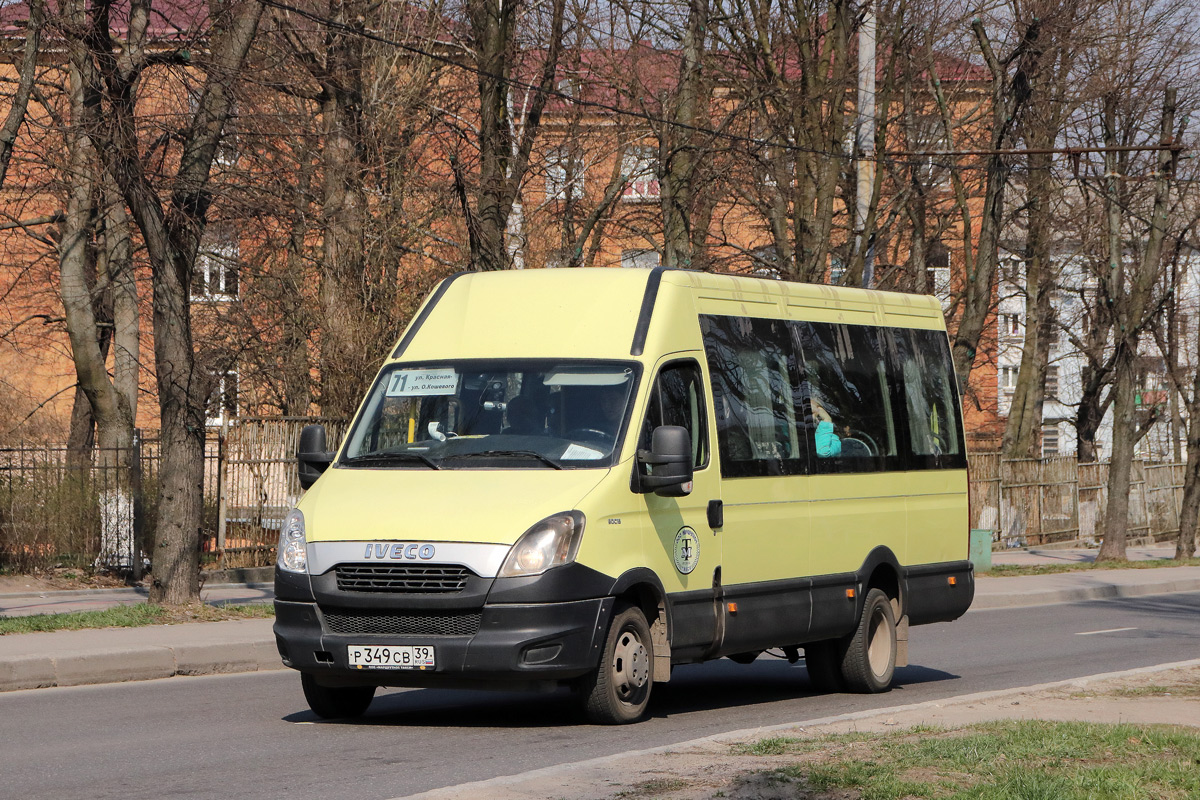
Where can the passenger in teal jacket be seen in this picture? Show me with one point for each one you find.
(829, 444)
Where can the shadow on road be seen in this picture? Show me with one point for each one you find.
(693, 688)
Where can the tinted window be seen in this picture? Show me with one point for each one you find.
(850, 397)
(678, 399)
(935, 435)
(755, 381)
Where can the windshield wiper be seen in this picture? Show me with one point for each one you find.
(510, 453)
(379, 459)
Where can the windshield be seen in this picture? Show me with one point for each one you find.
(510, 414)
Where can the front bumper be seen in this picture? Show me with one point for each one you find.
(519, 644)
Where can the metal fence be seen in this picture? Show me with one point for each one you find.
(258, 484)
(56, 510)
(1027, 502)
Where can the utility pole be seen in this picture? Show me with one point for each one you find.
(864, 144)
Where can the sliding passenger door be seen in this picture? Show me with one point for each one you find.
(755, 377)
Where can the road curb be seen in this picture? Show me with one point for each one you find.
(508, 787)
(119, 664)
(1079, 594)
(132, 591)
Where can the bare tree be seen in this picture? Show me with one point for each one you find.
(797, 82)
(504, 143)
(1051, 59)
(1010, 91)
(371, 108)
(171, 230)
(1131, 292)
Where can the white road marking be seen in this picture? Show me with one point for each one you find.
(1109, 630)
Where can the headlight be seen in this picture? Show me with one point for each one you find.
(551, 543)
(293, 549)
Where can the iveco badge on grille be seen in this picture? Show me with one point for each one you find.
(399, 552)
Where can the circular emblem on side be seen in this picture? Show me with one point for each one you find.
(687, 550)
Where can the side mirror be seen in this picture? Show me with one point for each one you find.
(311, 456)
(666, 468)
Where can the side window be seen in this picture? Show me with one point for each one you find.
(755, 390)
(935, 436)
(850, 397)
(678, 399)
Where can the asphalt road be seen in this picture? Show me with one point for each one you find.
(252, 736)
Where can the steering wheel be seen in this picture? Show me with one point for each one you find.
(591, 434)
(864, 438)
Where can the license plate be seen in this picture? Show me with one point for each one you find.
(394, 657)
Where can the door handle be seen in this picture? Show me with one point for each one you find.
(716, 514)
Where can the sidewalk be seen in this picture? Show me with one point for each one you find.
(111, 655)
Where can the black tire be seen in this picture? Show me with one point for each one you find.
(619, 690)
(823, 660)
(336, 702)
(869, 659)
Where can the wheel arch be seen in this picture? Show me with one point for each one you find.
(881, 570)
(641, 587)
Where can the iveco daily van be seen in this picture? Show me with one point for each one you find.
(586, 477)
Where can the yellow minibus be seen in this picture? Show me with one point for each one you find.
(589, 476)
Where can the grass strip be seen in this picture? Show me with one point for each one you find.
(1009, 570)
(1006, 760)
(133, 616)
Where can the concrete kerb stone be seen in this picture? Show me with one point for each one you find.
(1081, 593)
(73, 658)
(216, 659)
(27, 672)
(138, 591)
(136, 664)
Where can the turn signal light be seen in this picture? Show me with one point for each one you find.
(953, 580)
(733, 608)
(849, 594)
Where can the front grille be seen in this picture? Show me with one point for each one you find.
(405, 578)
(448, 623)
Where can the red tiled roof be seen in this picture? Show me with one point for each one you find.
(177, 19)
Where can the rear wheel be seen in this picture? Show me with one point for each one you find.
(336, 702)
(869, 661)
(619, 690)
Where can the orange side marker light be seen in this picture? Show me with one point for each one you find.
(849, 594)
(733, 608)
(953, 580)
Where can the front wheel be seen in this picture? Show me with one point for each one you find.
(619, 690)
(869, 661)
(336, 702)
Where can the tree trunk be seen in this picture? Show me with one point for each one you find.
(1124, 436)
(1021, 433)
(171, 236)
(1087, 421)
(1131, 305)
(344, 364)
(503, 163)
(1189, 511)
(679, 152)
